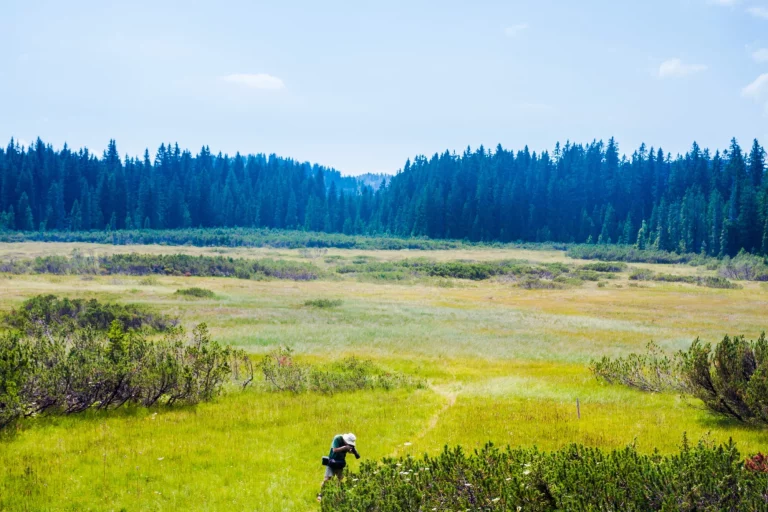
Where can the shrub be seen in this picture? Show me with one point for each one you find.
(707, 281)
(195, 292)
(51, 313)
(732, 379)
(744, 267)
(628, 253)
(603, 266)
(535, 283)
(578, 478)
(323, 303)
(642, 274)
(282, 373)
(170, 264)
(653, 371)
(86, 369)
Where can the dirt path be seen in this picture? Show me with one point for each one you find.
(450, 392)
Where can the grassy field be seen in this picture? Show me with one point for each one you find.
(503, 364)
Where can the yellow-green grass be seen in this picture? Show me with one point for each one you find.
(503, 365)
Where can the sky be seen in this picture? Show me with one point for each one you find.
(361, 86)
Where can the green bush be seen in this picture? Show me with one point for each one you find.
(323, 303)
(282, 373)
(653, 371)
(732, 379)
(575, 478)
(707, 281)
(603, 266)
(169, 264)
(195, 292)
(745, 267)
(628, 253)
(57, 315)
(86, 369)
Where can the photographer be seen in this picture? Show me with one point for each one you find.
(341, 445)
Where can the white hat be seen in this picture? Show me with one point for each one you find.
(350, 439)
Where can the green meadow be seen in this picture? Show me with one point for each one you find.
(502, 363)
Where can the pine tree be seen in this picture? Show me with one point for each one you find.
(26, 221)
(75, 217)
(642, 236)
(756, 164)
(765, 238)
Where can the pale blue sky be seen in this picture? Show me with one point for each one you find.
(361, 86)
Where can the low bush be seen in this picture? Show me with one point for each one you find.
(522, 273)
(86, 369)
(54, 314)
(282, 373)
(744, 267)
(730, 379)
(577, 478)
(604, 266)
(706, 281)
(630, 254)
(323, 303)
(167, 264)
(195, 292)
(653, 371)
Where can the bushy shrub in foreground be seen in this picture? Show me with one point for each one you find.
(731, 378)
(90, 369)
(282, 373)
(653, 371)
(55, 314)
(575, 478)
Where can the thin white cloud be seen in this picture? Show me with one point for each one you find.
(759, 12)
(757, 89)
(760, 55)
(535, 108)
(726, 3)
(255, 80)
(515, 30)
(676, 68)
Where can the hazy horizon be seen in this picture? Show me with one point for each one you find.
(363, 88)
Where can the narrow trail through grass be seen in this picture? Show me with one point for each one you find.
(449, 395)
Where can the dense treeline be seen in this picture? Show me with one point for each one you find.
(697, 202)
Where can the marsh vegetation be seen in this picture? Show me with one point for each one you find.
(431, 358)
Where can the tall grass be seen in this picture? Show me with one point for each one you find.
(503, 364)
